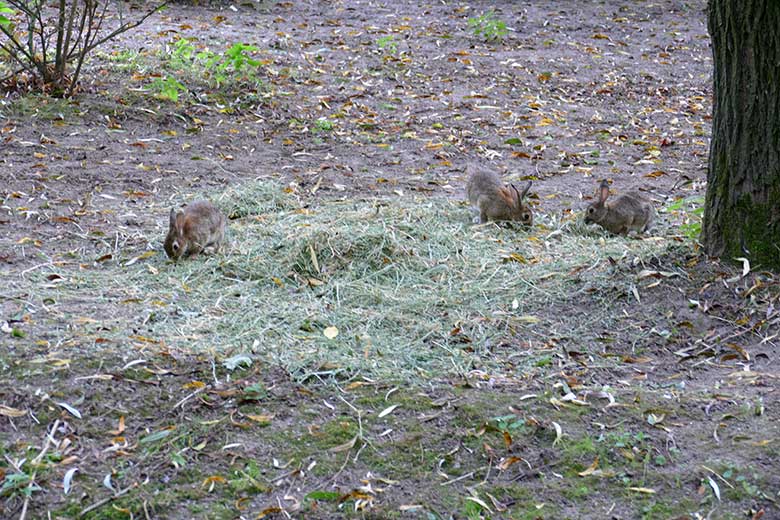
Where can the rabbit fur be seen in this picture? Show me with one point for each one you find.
(495, 201)
(629, 211)
(191, 230)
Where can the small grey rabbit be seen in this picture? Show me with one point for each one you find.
(193, 229)
(629, 211)
(495, 201)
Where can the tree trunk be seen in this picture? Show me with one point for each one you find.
(742, 207)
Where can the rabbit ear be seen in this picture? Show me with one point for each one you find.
(172, 219)
(177, 220)
(506, 195)
(519, 197)
(525, 190)
(603, 191)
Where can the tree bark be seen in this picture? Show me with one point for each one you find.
(742, 206)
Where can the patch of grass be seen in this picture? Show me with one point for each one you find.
(23, 469)
(745, 483)
(258, 200)
(413, 290)
(532, 511)
(651, 509)
(124, 60)
(581, 448)
(37, 106)
(322, 125)
(248, 479)
(576, 492)
(412, 457)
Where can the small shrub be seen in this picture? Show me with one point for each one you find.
(51, 41)
(322, 125)
(387, 43)
(168, 88)
(4, 10)
(488, 26)
(233, 67)
(692, 210)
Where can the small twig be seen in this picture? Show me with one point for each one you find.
(286, 474)
(463, 477)
(35, 462)
(101, 503)
(335, 475)
(214, 372)
(537, 471)
(193, 394)
(487, 473)
(49, 439)
(432, 417)
(281, 507)
(360, 435)
(215, 163)
(33, 268)
(718, 475)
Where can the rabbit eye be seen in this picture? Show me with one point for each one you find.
(175, 246)
(590, 210)
(526, 216)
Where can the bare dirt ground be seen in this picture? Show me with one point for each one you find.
(663, 409)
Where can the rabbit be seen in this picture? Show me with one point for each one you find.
(630, 211)
(495, 201)
(193, 229)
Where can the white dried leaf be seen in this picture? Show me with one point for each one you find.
(558, 433)
(71, 410)
(481, 503)
(67, 479)
(133, 363)
(237, 361)
(745, 268)
(387, 411)
(714, 486)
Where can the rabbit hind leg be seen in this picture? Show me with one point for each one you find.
(648, 224)
(214, 245)
(194, 250)
(475, 213)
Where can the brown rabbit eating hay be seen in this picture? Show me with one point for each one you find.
(191, 230)
(495, 201)
(629, 211)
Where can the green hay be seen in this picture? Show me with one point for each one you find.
(413, 287)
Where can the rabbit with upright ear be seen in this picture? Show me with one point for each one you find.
(495, 201)
(629, 211)
(191, 230)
